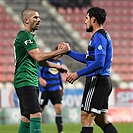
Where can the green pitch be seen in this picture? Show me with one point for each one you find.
(68, 128)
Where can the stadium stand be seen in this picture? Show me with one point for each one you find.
(8, 31)
(52, 31)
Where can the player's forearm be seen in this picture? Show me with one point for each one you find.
(40, 56)
(51, 64)
(81, 57)
(97, 64)
(48, 55)
(48, 64)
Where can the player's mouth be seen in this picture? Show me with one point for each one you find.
(37, 25)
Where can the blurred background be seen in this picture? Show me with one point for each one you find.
(63, 20)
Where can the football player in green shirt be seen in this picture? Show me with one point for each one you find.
(27, 59)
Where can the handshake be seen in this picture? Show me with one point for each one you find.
(64, 47)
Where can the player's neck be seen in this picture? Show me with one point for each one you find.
(96, 29)
(30, 30)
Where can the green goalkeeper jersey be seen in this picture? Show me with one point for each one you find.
(26, 68)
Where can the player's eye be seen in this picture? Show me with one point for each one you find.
(35, 17)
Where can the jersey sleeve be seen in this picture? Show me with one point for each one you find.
(100, 47)
(81, 57)
(39, 71)
(97, 64)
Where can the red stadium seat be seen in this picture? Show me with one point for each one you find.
(77, 27)
(117, 51)
(126, 77)
(116, 35)
(11, 60)
(6, 34)
(69, 19)
(8, 18)
(116, 19)
(3, 68)
(61, 10)
(3, 60)
(77, 11)
(124, 4)
(1, 10)
(16, 27)
(9, 77)
(130, 68)
(131, 11)
(84, 10)
(1, 26)
(69, 10)
(116, 43)
(117, 4)
(77, 19)
(109, 4)
(116, 27)
(102, 4)
(10, 69)
(124, 68)
(131, 19)
(2, 78)
(115, 61)
(116, 68)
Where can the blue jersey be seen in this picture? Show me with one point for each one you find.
(98, 58)
(52, 76)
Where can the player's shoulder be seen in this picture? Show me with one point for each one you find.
(24, 34)
(100, 35)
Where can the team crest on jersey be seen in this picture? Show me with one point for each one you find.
(28, 42)
(100, 47)
(53, 71)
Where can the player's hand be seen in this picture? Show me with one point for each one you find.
(65, 47)
(62, 69)
(42, 82)
(72, 77)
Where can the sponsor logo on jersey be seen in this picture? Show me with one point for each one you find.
(53, 71)
(28, 42)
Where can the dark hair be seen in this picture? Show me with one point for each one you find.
(98, 13)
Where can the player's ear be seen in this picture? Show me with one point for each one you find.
(93, 19)
(26, 21)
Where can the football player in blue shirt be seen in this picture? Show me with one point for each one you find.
(51, 88)
(98, 60)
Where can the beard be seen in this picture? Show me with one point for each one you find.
(35, 28)
(90, 29)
